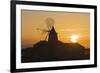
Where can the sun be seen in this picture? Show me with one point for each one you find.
(74, 38)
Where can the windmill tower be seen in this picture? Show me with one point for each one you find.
(51, 33)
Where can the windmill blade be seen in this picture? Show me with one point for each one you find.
(47, 35)
(49, 23)
(43, 30)
(43, 33)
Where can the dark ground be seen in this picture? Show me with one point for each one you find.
(45, 51)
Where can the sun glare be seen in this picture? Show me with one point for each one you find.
(74, 38)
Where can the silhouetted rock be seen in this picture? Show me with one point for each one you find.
(45, 51)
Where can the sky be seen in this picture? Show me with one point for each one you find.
(66, 24)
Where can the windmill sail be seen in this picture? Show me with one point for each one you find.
(51, 35)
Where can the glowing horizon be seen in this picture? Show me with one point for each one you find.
(66, 24)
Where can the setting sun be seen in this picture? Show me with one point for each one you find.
(74, 38)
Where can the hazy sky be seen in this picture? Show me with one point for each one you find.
(66, 24)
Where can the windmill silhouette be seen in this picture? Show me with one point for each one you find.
(51, 33)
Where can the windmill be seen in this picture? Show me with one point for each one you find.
(51, 33)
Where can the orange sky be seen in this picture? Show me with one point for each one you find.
(66, 24)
